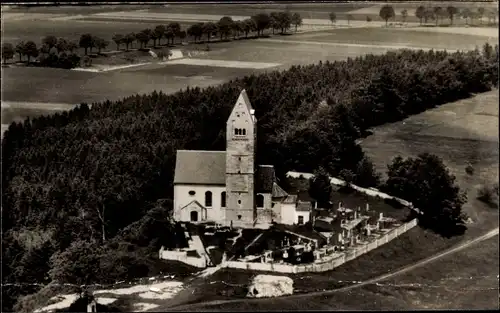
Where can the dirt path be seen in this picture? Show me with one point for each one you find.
(403, 270)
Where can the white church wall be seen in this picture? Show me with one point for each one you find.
(288, 213)
(182, 198)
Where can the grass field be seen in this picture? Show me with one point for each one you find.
(415, 37)
(465, 280)
(462, 132)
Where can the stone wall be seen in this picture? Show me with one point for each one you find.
(328, 264)
(181, 256)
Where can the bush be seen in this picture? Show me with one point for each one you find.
(63, 60)
(469, 170)
(488, 194)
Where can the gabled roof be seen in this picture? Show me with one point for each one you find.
(200, 167)
(278, 192)
(195, 202)
(243, 99)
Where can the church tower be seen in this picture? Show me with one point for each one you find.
(241, 135)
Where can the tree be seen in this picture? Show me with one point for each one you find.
(20, 49)
(451, 11)
(248, 26)
(7, 51)
(320, 187)
(386, 13)
(129, 39)
(147, 34)
(333, 17)
(182, 35)
(50, 41)
(466, 14)
(72, 46)
(349, 19)
(404, 15)
(143, 37)
(209, 29)
(427, 183)
(78, 264)
(154, 36)
(296, 20)
(174, 28)
(236, 28)
(284, 20)
(85, 42)
(429, 15)
(158, 33)
(262, 22)
(30, 50)
(195, 31)
(438, 12)
(480, 13)
(420, 13)
(224, 26)
(100, 43)
(274, 20)
(118, 39)
(61, 45)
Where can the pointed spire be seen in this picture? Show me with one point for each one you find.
(243, 98)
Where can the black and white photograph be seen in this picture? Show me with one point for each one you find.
(249, 156)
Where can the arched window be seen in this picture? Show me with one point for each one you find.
(244, 131)
(223, 199)
(208, 199)
(236, 131)
(260, 201)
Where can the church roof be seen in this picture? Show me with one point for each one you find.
(278, 192)
(199, 167)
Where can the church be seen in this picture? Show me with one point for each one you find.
(227, 187)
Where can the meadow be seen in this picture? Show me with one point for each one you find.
(450, 287)
(461, 133)
(413, 37)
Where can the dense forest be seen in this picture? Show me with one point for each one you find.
(94, 185)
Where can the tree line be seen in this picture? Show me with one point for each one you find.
(59, 52)
(96, 175)
(439, 13)
(436, 13)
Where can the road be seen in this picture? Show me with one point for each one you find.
(464, 245)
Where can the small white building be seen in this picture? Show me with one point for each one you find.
(227, 187)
